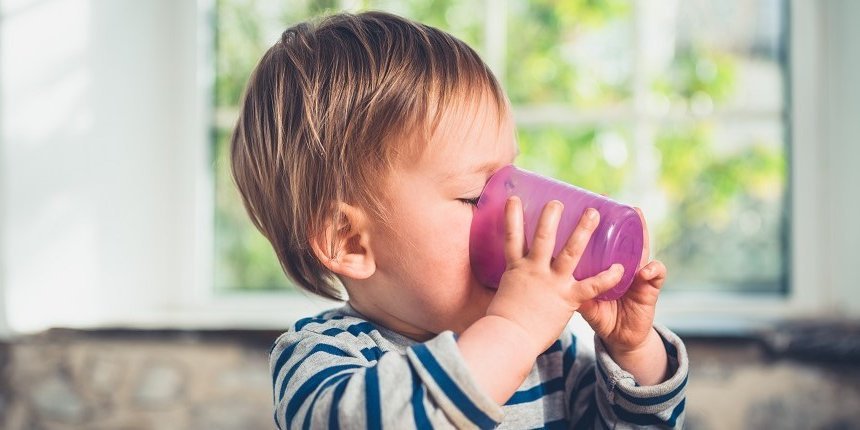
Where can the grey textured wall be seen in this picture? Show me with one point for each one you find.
(219, 380)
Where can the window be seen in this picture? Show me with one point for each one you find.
(107, 199)
(677, 107)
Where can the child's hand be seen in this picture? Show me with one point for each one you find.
(538, 293)
(626, 325)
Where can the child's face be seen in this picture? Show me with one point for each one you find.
(423, 282)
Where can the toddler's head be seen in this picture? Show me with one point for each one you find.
(361, 143)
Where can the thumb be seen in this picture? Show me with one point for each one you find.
(588, 289)
(589, 311)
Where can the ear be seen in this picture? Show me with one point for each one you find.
(343, 245)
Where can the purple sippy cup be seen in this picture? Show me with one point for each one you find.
(617, 239)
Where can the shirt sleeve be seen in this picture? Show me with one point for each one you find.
(321, 381)
(603, 395)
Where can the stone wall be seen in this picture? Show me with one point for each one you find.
(741, 384)
(137, 380)
(123, 379)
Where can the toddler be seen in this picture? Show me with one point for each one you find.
(362, 146)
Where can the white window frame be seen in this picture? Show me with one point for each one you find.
(719, 312)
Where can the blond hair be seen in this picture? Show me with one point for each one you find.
(325, 114)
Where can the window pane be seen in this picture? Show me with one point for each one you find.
(244, 30)
(463, 19)
(594, 157)
(739, 69)
(719, 213)
(571, 52)
(723, 185)
(653, 103)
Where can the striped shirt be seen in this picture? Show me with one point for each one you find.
(338, 370)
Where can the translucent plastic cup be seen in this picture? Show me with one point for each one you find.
(617, 239)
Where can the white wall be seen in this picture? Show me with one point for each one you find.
(841, 143)
(101, 136)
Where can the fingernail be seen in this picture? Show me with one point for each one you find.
(591, 213)
(616, 267)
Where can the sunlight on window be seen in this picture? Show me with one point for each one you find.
(653, 103)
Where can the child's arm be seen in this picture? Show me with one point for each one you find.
(641, 369)
(626, 325)
(600, 394)
(536, 298)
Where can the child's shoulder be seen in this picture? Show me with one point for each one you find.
(327, 321)
(334, 330)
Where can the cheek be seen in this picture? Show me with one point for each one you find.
(451, 225)
(449, 239)
(440, 235)
(448, 223)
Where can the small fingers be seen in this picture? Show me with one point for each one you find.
(569, 256)
(653, 272)
(596, 285)
(544, 239)
(513, 230)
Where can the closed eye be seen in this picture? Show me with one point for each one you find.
(472, 202)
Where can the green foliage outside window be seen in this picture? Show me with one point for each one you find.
(721, 180)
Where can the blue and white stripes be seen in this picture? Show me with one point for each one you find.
(337, 370)
(659, 406)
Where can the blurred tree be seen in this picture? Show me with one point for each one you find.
(542, 67)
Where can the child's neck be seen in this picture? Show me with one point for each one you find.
(388, 321)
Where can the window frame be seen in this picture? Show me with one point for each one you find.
(700, 312)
